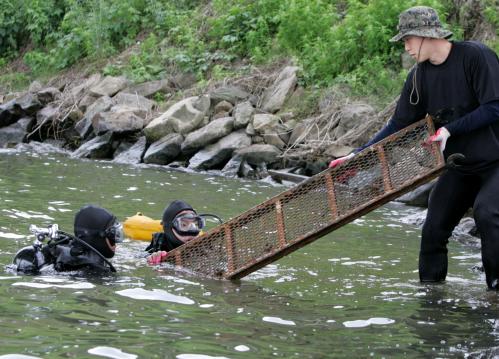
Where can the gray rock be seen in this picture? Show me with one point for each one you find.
(48, 95)
(217, 154)
(15, 133)
(141, 103)
(165, 150)
(352, 115)
(132, 154)
(148, 89)
(336, 151)
(109, 86)
(98, 147)
(182, 117)
(121, 120)
(28, 104)
(419, 196)
(86, 101)
(275, 96)
(246, 170)
(271, 137)
(302, 131)
(223, 107)
(78, 90)
(256, 154)
(243, 114)
(183, 80)
(47, 114)
(230, 94)
(35, 86)
(220, 115)
(102, 104)
(231, 168)
(262, 123)
(250, 130)
(208, 134)
(83, 128)
(8, 113)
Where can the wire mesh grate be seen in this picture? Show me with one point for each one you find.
(315, 207)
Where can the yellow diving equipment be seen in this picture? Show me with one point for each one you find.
(140, 227)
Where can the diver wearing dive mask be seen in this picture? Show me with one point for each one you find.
(181, 224)
(96, 233)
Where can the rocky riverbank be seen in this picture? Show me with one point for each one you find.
(242, 127)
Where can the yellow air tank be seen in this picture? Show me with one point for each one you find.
(140, 227)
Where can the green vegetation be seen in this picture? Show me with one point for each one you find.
(335, 41)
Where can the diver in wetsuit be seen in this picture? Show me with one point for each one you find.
(96, 233)
(181, 224)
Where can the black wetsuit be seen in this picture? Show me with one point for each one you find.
(64, 254)
(462, 94)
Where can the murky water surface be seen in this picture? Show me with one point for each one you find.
(353, 294)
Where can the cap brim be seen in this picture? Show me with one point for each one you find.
(435, 33)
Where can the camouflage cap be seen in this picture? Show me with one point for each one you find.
(420, 21)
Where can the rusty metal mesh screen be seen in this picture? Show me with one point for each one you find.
(315, 207)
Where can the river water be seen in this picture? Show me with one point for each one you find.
(352, 294)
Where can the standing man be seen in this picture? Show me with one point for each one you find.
(457, 83)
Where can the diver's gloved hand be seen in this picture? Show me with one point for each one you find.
(157, 257)
(340, 160)
(442, 135)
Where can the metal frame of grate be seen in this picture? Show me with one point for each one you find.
(314, 208)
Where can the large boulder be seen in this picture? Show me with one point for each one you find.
(15, 133)
(148, 89)
(418, 197)
(84, 126)
(352, 115)
(182, 117)
(256, 154)
(208, 134)
(165, 150)
(120, 120)
(263, 122)
(275, 96)
(109, 86)
(79, 89)
(217, 154)
(48, 95)
(131, 153)
(28, 104)
(98, 147)
(230, 94)
(48, 114)
(142, 104)
(243, 114)
(9, 114)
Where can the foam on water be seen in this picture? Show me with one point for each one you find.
(155, 294)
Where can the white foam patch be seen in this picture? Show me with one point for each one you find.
(110, 352)
(155, 294)
(277, 320)
(242, 348)
(369, 263)
(368, 322)
(83, 285)
(18, 356)
(11, 235)
(198, 356)
(179, 280)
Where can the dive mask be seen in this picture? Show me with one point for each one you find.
(115, 233)
(188, 224)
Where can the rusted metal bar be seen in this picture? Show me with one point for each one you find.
(281, 232)
(331, 196)
(229, 242)
(387, 181)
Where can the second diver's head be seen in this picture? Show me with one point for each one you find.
(181, 222)
(99, 228)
